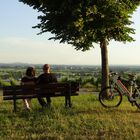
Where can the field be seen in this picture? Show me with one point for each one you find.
(87, 120)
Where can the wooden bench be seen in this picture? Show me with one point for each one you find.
(67, 90)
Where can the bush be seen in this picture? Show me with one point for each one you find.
(14, 82)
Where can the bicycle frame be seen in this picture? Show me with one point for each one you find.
(121, 87)
(111, 96)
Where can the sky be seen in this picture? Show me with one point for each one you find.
(19, 42)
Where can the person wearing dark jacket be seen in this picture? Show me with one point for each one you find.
(28, 79)
(46, 78)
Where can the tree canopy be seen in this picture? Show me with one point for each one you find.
(82, 22)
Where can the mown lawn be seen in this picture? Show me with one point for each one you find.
(87, 120)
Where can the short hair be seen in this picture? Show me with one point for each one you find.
(46, 66)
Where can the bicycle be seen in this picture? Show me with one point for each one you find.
(112, 96)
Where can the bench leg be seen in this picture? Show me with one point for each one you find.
(70, 104)
(68, 101)
(15, 107)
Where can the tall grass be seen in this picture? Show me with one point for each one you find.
(87, 120)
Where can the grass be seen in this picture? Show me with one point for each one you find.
(87, 120)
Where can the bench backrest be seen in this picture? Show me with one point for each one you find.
(34, 91)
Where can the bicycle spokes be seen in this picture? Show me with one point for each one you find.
(136, 96)
(110, 97)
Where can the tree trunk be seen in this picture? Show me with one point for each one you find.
(105, 67)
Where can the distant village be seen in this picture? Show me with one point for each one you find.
(86, 75)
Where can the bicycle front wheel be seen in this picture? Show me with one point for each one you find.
(110, 97)
(136, 96)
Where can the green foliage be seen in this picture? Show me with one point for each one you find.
(82, 22)
(87, 85)
(98, 82)
(79, 80)
(65, 79)
(138, 80)
(4, 83)
(14, 81)
(8, 82)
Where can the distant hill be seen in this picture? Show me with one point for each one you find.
(11, 64)
(116, 68)
(16, 64)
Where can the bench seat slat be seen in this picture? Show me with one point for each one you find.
(35, 96)
(20, 97)
(34, 91)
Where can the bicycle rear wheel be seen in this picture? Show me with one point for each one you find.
(136, 96)
(110, 97)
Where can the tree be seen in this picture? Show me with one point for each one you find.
(84, 22)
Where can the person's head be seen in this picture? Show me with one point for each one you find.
(30, 71)
(46, 68)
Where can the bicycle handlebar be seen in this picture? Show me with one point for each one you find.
(113, 73)
(131, 76)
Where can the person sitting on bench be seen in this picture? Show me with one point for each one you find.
(28, 79)
(46, 78)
